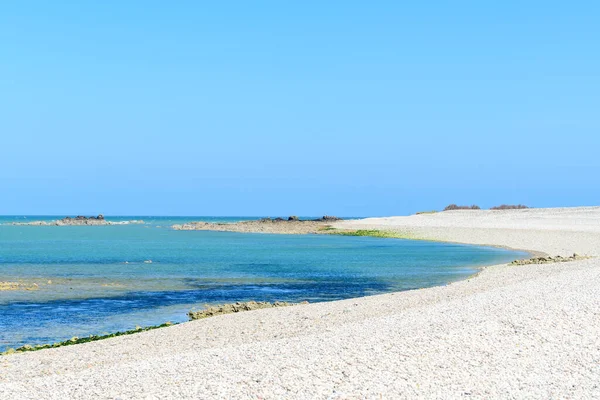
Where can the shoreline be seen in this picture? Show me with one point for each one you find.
(37, 347)
(285, 227)
(531, 253)
(506, 322)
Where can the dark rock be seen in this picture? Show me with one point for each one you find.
(83, 220)
(329, 218)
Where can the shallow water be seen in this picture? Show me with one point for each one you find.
(99, 279)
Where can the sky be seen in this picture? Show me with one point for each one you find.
(347, 108)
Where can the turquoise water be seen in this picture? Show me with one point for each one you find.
(99, 279)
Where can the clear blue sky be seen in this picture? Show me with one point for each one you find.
(310, 108)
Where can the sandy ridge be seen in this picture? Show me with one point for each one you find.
(511, 332)
(259, 226)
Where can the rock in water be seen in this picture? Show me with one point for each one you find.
(330, 218)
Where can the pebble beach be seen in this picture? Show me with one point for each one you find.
(511, 331)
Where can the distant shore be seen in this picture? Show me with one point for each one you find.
(290, 225)
(78, 221)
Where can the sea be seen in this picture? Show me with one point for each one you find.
(93, 280)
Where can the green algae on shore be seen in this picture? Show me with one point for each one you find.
(193, 315)
(368, 232)
(76, 340)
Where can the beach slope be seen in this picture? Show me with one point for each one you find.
(513, 331)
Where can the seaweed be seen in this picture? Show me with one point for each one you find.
(77, 340)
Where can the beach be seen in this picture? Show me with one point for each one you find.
(511, 331)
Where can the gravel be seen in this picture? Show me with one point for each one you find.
(512, 331)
